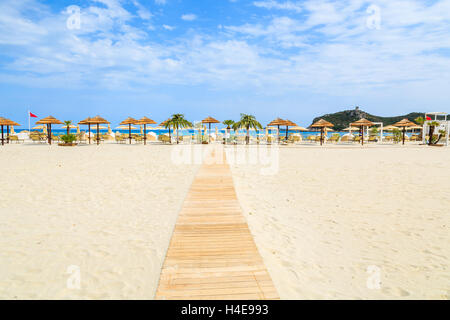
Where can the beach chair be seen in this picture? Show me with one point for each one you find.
(120, 139)
(35, 138)
(334, 138)
(373, 139)
(138, 138)
(81, 138)
(164, 139)
(270, 140)
(107, 137)
(14, 139)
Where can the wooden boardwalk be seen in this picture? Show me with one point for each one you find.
(212, 254)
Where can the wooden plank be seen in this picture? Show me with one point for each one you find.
(212, 254)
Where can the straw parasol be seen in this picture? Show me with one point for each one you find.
(126, 128)
(129, 121)
(7, 123)
(94, 121)
(12, 124)
(278, 122)
(389, 128)
(298, 128)
(288, 124)
(322, 124)
(97, 120)
(49, 121)
(404, 124)
(361, 124)
(145, 121)
(3, 122)
(87, 122)
(163, 124)
(210, 120)
(351, 129)
(70, 127)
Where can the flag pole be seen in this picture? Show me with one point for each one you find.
(29, 120)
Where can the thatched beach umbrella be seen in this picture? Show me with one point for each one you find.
(322, 124)
(3, 122)
(49, 121)
(288, 124)
(94, 121)
(88, 123)
(12, 124)
(97, 120)
(278, 122)
(8, 123)
(41, 127)
(70, 127)
(404, 124)
(362, 124)
(129, 121)
(126, 128)
(389, 128)
(163, 124)
(298, 128)
(145, 121)
(210, 120)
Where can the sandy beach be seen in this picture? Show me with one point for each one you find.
(108, 211)
(332, 217)
(328, 221)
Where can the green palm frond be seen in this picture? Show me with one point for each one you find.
(228, 123)
(248, 122)
(178, 121)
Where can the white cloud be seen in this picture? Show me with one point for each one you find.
(272, 4)
(328, 48)
(160, 2)
(142, 11)
(189, 17)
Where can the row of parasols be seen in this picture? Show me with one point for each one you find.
(361, 125)
(322, 124)
(94, 122)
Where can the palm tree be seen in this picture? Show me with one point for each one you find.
(68, 123)
(229, 124)
(420, 120)
(178, 121)
(248, 122)
(432, 125)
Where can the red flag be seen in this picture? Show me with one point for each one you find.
(428, 118)
(32, 115)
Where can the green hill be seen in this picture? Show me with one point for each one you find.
(341, 120)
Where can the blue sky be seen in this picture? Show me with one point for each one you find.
(271, 58)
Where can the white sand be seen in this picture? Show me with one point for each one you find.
(331, 213)
(325, 217)
(109, 210)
